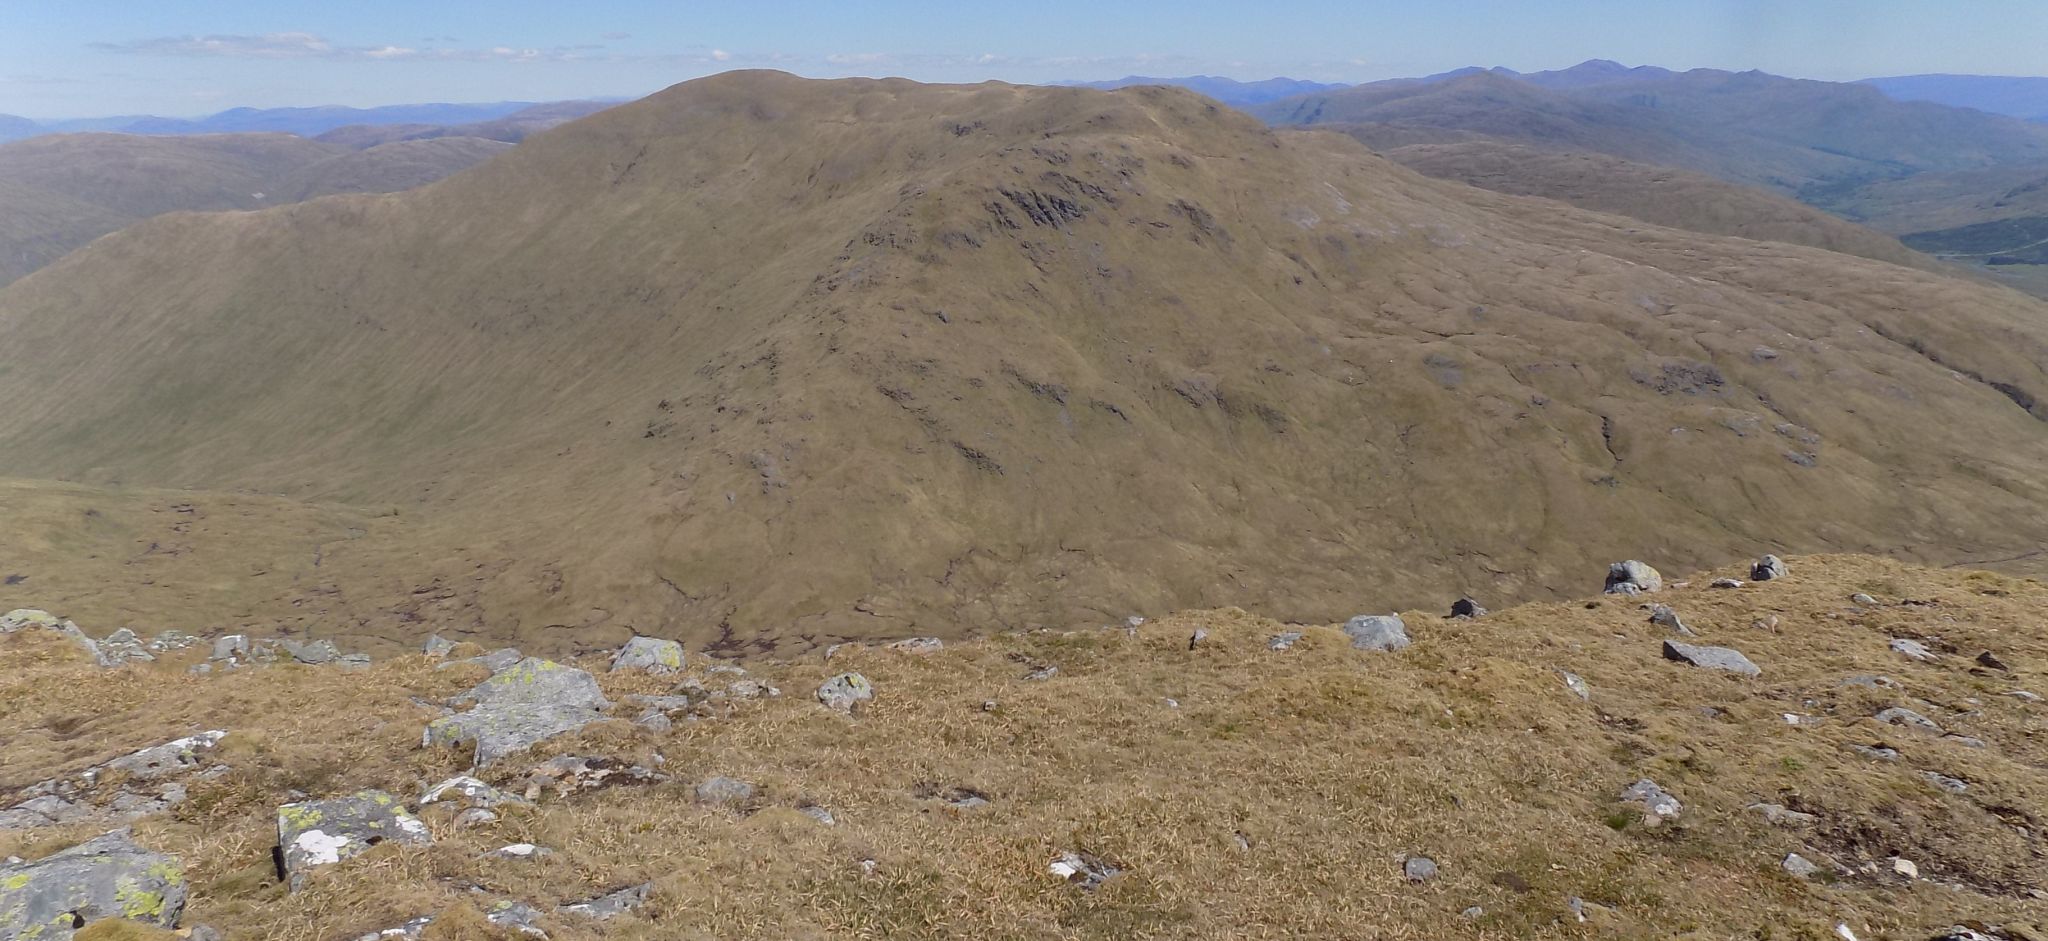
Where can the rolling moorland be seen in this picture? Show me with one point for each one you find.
(979, 358)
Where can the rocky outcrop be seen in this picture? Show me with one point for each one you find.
(318, 833)
(108, 877)
(529, 702)
(1382, 632)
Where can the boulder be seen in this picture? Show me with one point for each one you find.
(612, 904)
(1799, 866)
(232, 648)
(724, 790)
(1663, 616)
(22, 619)
(107, 877)
(1711, 658)
(1913, 650)
(312, 652)
(1382, 632)
(1577, 684)
(437, 647)
(649, 655)
(1633, 577)
(1419, 869)
(123, 647)
(317, 833)
(1467, 608)
(1767, 568)
(843, 692)
(528, 702)
(1657, 803)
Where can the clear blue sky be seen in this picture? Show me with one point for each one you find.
(79, 58)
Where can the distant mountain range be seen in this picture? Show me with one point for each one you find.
(305, 122)
(2015, 96)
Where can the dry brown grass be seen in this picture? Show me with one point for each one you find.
(1466, 747)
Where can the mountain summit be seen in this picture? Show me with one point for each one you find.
(761, 362)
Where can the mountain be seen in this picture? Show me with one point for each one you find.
(1658, 195)
(15, 128)
(763, 363)
(63, 191)
(1229, 91)
(1799, 137)
(1226, 782)
(511, 128)
(311, 122)
(2013, 96)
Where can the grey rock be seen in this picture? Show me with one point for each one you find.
(728, 669)
(845, 691)
(1655, 801)
(2025, 696)
(1963, 740)
(751, 689)
(1781, 816)
(1767, 568)
(820, 814)
(1912, 649)
(1711, 658)
(146, 786)
(497, 661)
(412, 930)
(1419, 868)
(122, 647)
(955, 798)
(1467, 608)
(1871, 681)
(1644, 578)
(1197, 637)
(1726, 583)
(516, 915)
(1990, 661)
(519, 851)
(1876, 752)
(569, 775)
(724, 790)
(1084, 870)
(352, 661)
(317, 833)
(1946, 783)
(313, 652)
(1663, 616)
(106, 877)
(1284, 640)
(526, 703)
(649, 655)
(204, 933)
(471, 792)
(21, 619)
(918, 645)
(1907, 718)
(1472, 912)
(613, 904)
(476, 817)
(47, 810)
(175, 757)
(437, 647)
(1860, 598)
(1799, 866)
(1577, 684)
(1382, 632)
(1041, 674)
(233, 648)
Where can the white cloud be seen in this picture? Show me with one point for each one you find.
(720, 55)
(312, 46)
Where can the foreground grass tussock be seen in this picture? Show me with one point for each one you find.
(1243, 791)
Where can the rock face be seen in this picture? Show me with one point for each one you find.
(1632, 577)
(841, 693)
(1711, 658)
(108, 877)
(528, 702)
(649, 655)
(311, 834)
(1382, 632)
(1767, 568)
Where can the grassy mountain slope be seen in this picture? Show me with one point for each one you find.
(2020, 97)
(761, 362)
(1229, 91)
(66, 190)
(1660, 195)
(1246, 792)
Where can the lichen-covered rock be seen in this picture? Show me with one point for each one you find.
(1382, 632)
(612, 904)
(317, 833)
(650, 655)
(22, 619)
(1633, 577)
(528, 702)
(107, 877)
(841, 693)
(1711, 658)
